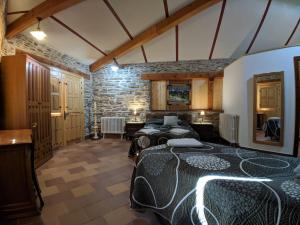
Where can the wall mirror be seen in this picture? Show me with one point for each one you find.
(268, 109)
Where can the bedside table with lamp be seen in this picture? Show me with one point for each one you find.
(133, 126)
(204, 129)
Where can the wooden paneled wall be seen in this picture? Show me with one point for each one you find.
(206, 93)
(200, 94)
(159, 95)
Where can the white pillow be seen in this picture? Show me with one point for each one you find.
(297, 169)
(171, 120)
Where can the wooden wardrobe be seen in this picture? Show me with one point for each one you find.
(25, 101)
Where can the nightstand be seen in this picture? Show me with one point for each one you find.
(132, 127)
(205, 130)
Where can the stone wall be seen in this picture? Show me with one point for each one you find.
(118, 93)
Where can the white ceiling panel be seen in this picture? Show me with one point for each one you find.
(20, 5)
(175, 5)
(234, 42)
(196, 35)
(162, 48)
(66, 42)
(295, 39)
(138, 15)
(278, 24)
(135, 56)
(94, 21)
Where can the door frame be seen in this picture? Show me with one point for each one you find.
(297, 104)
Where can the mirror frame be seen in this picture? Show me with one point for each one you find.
(297, 104)
(273, 76)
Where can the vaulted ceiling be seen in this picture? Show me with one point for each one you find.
(228, 29)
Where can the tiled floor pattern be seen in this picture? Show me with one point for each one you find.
(88, 184)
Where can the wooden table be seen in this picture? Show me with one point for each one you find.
(20, 192)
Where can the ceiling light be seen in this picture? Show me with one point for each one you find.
(38, 33)
(114, 68)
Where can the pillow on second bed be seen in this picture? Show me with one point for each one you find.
(171, 120)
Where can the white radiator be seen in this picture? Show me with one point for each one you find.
(112, 125)
(228, 127)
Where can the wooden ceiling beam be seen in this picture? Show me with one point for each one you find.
(54, 64)
(178, 17)
(43, 10)
(181, 76)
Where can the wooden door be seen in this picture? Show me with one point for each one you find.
(73, 109)
(38, 97)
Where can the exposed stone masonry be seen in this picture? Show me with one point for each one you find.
(118, 93)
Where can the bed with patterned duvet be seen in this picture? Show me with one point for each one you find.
(156, 133)
(217, 185)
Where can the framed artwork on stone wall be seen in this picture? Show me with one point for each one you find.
(179, 93)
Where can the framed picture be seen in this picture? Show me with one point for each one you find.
(179, 93)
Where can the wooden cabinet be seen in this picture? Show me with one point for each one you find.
(25, 100)
(67, 113)
(20, 193)
(132, 127)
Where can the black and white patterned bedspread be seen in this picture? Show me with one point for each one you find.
(217, 185)
(141, 140)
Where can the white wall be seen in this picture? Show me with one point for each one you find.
(238, 93)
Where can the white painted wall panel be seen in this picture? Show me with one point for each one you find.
(64, 41)
(94, 21)
(135, 56)
(196, 34)
(138, 15)
(238, 93)
(240, 21)
(162, 48)
(278, 25)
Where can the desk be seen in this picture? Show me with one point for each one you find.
(20, 193)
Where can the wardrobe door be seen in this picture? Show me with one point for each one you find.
(45, 149)
(33, 103)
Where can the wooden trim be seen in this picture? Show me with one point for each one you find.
(54, 64)
(297, 105)
(17, 12)
(43, 10)
(293, 32)
(180, 76)
(109, 6)
(256, 80)
(210, 96)
(166, 8)
(259, 26)
(144, 54)
(218, 29)
(77, 34)
(177, 42)
(155, 30)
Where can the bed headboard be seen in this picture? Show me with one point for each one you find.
(160, 115)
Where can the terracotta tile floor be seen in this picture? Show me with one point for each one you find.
(88, 184)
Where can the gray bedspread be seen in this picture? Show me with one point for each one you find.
(217, 185)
